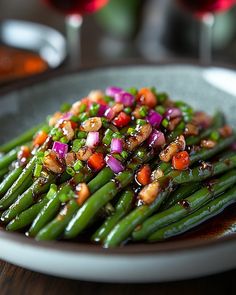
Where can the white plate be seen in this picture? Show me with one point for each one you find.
(204, 88)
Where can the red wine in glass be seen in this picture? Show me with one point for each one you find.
(74, 10)
(201, 7)
(80, 7)
(204, 11)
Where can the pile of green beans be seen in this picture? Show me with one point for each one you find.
(187, 198)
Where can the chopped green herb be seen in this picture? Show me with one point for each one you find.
(107, 98)
(215, 135)
(37, 170)
(52, 191)
(66, 197)
(83, 117)
(78, 165)
(65, 107)
(133, 91)
(128, 110)
(140, 154)
(117, 135)
(82, 108)
(160, 109)
(70, 171)
(81, 134)
(143, 111)
(64, 139)
(94, 109)
(107, 137)
(74, 119)
(165, 123)
(124, 154)
(105, 123)
(77, 144)
(141, 122)
(131, 131)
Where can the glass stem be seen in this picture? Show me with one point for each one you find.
(205, 44)
(73, 30)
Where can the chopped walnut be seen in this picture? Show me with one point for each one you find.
(84, 153)
(156, 174)
(92, 124)
(208, 143)
(141, 135)
(191, 129)
(96, 95)
(150, 192)
(82, 192)
(52, 163)
(118, 107)
(173, 148)
(67, 130)
(70, 159)
(54, 119)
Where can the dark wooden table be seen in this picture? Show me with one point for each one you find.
(16, 280)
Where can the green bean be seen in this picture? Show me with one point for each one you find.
(56, 227)
(3, 172)
(24, 201)
(181, 193)
(23, 138)
(102, 196)
(48, 211)
(185, 207)
(19, 185)
(205, 154)
(26, 217)
(203, 214)
(10, 179)
(122, 208)
(8, 158)
(203, 171)
(102, 178)
(122, 231)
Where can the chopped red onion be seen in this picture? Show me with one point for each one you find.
(109, 114)
(113, 90)
(60, 148)
(172, 113)
(114, 164)
(156, 139)
(102, 110)
(116, 145)
(125, 98)
(92, 139)
(154, 118)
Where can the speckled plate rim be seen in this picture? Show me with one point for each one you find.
(132, 249)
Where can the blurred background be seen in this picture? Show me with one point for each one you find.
(153, 30)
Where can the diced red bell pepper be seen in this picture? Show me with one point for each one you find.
(121, 120)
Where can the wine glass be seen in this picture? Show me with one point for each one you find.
(74, 10)
(204, 11)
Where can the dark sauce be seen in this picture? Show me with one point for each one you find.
(224, 224)
(184, 204)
